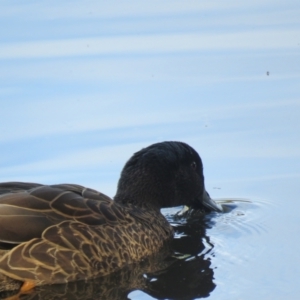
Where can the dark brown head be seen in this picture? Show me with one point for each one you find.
(164, 175)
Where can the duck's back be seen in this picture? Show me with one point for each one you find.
(68, 232)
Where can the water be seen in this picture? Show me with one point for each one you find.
(84, 86)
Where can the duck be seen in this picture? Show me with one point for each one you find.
(55, 234)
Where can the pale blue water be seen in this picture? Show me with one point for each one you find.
(83, 85)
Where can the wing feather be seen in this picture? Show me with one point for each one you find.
(27, 209)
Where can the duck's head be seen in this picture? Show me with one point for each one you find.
(164, 175)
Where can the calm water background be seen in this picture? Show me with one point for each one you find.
(84, 84)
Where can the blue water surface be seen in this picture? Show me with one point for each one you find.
(84, 84)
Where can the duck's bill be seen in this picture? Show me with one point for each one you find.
(210, 203)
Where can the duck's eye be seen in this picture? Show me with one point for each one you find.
(194, 165)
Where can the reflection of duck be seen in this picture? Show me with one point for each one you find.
(67, 233)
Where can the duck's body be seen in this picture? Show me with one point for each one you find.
(66, 232)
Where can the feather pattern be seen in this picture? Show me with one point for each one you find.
(75, 233)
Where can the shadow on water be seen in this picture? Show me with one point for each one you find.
(181, 271)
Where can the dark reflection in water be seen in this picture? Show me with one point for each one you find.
(180, 271)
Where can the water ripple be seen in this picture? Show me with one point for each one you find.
(241, 217)
(237, 236)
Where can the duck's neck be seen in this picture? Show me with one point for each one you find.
(147, 187)
(138, 201)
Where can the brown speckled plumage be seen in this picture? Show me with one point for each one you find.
(88, 233)
(66, 232)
